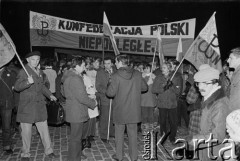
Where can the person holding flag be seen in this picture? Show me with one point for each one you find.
(106, 128)
(126, 86)
(32, 105)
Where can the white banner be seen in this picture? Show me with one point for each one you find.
(184, 28)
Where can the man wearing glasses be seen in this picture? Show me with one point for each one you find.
(214, 112)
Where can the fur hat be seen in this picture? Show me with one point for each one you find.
(33, 53)
(206, 73)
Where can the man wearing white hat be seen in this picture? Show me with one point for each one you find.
(214, 110)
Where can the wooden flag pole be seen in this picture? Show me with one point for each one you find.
(109, 119)
(103, 54)
(19, 58)
(154, 54)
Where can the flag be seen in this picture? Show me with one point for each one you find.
(205, 48)
(6, 47)
(179, 50)
(179, 55)
(159, 47)
(107, 32)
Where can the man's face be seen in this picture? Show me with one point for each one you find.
(140, 68)
(165, 70)
(107, 64)
(96, 64)
(117, 63)
(81, 68)
(147, 70)
(33, 61)
(173, 66)
(205, 88)
(233, 61)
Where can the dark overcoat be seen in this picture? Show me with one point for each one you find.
(32, 102)
(77, 100)
(126, 87)
(7, 80)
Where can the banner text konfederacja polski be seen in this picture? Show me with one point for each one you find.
(165, 29)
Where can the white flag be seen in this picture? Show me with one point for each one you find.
(205, 48)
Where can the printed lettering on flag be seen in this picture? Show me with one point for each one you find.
(6, 50)
(205, 48)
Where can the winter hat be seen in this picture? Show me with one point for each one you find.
(206, 73)
(33, 53)
(233, 120)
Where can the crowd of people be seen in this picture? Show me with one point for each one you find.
(103, 97)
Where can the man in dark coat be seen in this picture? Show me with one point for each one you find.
(32, 105)
(126, 86)
(7, 103)
(102, 78)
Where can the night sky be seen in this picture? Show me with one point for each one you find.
(15, 17)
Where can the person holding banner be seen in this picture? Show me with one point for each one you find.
(102, 78)
(234, 62)
(126, 86)
(7, 104)
(32, 105)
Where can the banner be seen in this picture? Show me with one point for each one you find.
(6, 49)
(205, 48)
(46, 30)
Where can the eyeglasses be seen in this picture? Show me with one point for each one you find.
(205, 83)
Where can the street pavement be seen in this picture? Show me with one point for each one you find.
(98, 151)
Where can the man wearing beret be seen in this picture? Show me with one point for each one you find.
(214, 112)
(234, 62)
(32, 105)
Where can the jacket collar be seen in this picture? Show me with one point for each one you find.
(218, 94)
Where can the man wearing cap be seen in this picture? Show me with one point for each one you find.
(234, 62)
(32, 105)
(214, 111)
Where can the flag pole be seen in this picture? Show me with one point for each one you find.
(103, 54)
(109, 118)
(154, 54)
(19, 58)
(183, 58)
